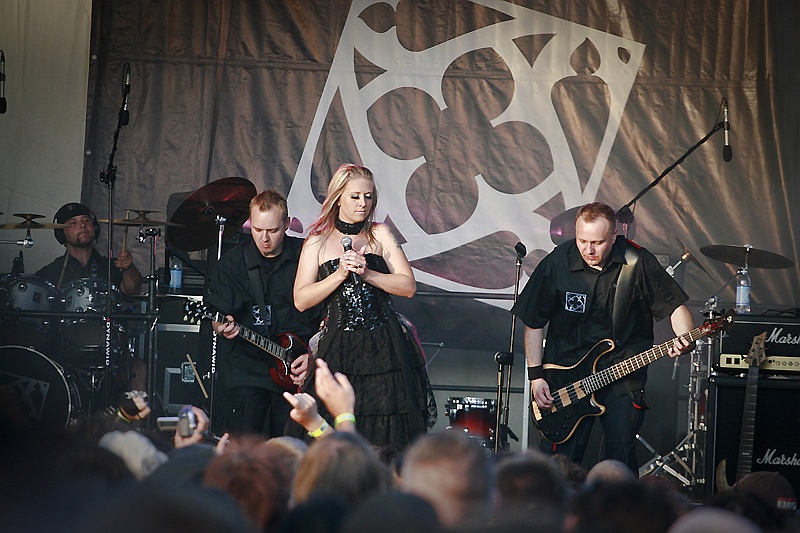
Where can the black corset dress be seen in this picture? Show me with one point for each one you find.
(364, 339)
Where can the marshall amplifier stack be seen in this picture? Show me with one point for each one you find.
(782, 345)
(774, 437)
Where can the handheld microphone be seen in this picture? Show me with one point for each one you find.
(347, 244)
(3, 103)
(727, 151)
(126, 117)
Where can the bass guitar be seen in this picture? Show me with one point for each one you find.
(285, 351)
(755, 356)
(573, 388)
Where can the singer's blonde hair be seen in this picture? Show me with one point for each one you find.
(325, 223)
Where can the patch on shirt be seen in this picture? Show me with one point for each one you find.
(575, 302)
(258, 320)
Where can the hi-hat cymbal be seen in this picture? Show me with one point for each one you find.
(30, 223)
(746, 255)
(226, 197)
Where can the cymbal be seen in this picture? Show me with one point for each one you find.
(226, 197)
(140, 220)
(142, 212)
(746, 255)
(30, 223)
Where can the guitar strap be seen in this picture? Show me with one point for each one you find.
(623, 297)
(258, 289)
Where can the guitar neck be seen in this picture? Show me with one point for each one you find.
(272, 348)
(596, 381)
(745, 464)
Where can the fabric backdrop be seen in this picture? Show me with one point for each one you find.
(482, 121)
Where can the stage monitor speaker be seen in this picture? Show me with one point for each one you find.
(776, 435)
(176, 384)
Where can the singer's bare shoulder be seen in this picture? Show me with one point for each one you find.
(386, 235)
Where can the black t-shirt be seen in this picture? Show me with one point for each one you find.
(230, 292)
(96, 267)
(576, 303)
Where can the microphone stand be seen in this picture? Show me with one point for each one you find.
(625, 215)
(109, 177)
(506, 359)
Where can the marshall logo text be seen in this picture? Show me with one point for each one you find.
(778, 337)
(770, 458)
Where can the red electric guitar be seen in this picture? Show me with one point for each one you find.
(285, 351)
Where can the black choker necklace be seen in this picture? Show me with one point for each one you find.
(347, 228)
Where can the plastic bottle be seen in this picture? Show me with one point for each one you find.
(742, 292)
(175, 274)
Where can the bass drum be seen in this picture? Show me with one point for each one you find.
(45, 397)
(473, 416)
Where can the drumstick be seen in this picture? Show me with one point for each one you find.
(197, 376)
(125, 237)
(63, 270)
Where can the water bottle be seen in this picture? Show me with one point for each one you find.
(742, 292)
(175, 274)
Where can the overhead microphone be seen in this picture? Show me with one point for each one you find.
(347, 244)
(727, 151)
(3, 103)
(125, 92)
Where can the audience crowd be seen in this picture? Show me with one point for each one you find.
(109, 474)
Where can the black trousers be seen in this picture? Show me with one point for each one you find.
(621, 423)
(255, 410)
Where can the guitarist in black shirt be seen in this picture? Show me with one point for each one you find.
(252, 380)
(597, 286)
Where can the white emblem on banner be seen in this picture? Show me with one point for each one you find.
(531, 104)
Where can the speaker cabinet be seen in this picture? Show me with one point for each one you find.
(776, 436)
(176, 384)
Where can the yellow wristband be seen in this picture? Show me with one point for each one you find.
(344, 417)
(320, 430)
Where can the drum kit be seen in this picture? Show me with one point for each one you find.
(54, 342)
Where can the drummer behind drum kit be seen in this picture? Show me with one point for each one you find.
(52, 342)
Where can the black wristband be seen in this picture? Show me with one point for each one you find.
(535, 372)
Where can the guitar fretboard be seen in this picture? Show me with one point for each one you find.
(597, 381)
(272, 348)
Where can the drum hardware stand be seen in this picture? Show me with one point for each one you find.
(153, 234)
(94, 380)
(506, 359)
(688, 454)
(220, 221)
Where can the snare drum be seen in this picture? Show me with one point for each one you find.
(26, 293)
(45, 396)
(475, 416)
(87, 295)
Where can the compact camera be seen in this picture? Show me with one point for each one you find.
(185, 422)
